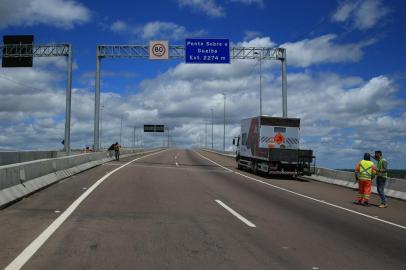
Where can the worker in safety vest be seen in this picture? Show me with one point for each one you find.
(382, 176)
(365, 172)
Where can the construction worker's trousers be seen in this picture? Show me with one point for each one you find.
(364, 190)
(380, 186)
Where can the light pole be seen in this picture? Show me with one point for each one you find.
(212, 137)
(134, 139)
(121, 128)
(167, 133)
(163, 138)
(205, 133)
(101, 128)
(224, 123)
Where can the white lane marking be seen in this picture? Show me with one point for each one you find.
(57, 211)
(33, 247)
(307, 197)
(227, 169)
(177, 164)
(243, 219)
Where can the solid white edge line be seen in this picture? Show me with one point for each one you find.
(243, 219)
(308, 197)
(36, 244)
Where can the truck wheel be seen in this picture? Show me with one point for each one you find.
(239, 166)
(254, 168)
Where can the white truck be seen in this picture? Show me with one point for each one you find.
(271, 145)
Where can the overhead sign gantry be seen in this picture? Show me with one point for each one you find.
(179, 52)
(18, 51)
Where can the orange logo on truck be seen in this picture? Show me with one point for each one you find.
(279, 138)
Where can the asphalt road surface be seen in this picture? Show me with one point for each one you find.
(189, 209)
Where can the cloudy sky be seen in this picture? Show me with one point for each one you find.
(346, 73)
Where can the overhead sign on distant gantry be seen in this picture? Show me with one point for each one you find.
(154, 128)
(207, 51)
(158, 50)
(17, 45)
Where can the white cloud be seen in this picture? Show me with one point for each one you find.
(249, 2)
(166, 30)
(362, 14)
(209, 7)
(119, 26)
(343, 12)
(258, 42)
(322, 49)
(342, 116)
(369, 14)
(58, 13)
(335, 110)
(156, 30)
(212, 8)
(249, 34)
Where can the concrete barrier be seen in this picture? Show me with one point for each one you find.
(24, 156)
(21, 179)
(226, 153)
(395, 188)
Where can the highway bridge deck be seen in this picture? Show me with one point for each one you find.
(191, 209)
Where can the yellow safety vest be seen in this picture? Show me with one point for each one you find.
(365, 169)
(380, 167)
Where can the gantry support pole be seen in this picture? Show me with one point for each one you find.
(97, 102)
(284, 85)
(68, 101)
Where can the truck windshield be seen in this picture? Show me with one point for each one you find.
(279, 129)
(244, 139)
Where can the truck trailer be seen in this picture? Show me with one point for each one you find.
(271, 145)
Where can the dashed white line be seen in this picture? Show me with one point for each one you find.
(307, 197)
(32, 248)
(243, 219)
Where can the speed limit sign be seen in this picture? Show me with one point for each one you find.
(158, 49)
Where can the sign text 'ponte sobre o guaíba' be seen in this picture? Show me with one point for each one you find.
(207, 51)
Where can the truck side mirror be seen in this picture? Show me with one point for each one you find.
(233, 141)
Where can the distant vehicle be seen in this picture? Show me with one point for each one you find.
(271, 145)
